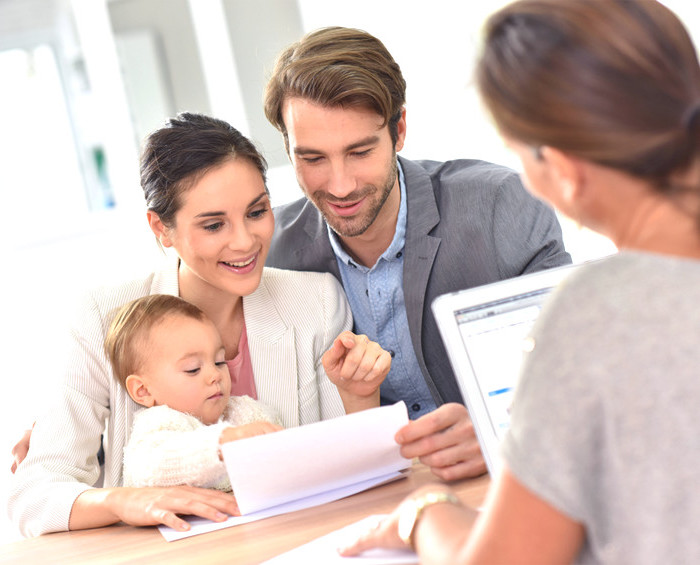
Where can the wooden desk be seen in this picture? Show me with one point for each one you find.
(239, 545)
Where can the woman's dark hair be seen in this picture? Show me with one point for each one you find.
(189, 145)
(614, 82)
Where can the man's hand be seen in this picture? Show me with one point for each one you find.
(19, 451)
(357, 366)
(445, 441)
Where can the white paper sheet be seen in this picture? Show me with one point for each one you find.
(307, 466)
(202, 525)
(272, 469)
(325, 549)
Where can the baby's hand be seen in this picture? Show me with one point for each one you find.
(248, 430)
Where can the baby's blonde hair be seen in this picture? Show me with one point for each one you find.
(132, 324)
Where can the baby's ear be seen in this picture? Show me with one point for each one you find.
(138, 391)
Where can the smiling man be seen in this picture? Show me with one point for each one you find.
(396, 233)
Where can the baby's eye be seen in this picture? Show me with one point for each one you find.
(221, 363)
(192, 371)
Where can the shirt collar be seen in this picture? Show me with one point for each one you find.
(397, 244)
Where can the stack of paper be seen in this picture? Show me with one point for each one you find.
(310, 465)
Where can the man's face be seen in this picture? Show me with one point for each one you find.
(344, 161)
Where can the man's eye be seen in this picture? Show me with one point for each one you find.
(361, 153)
(311, 160)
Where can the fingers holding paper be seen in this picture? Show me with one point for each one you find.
(445, 441)
(357, 366)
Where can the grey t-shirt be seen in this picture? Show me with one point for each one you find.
(606, 418)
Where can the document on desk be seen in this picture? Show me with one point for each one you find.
(309, 465)
(325, 549)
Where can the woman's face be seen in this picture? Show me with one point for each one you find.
(222, 231)
(537, 175)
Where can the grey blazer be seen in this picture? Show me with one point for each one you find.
(469, 223)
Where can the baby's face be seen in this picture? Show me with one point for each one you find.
(185, 367)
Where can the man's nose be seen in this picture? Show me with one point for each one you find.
(342, 181)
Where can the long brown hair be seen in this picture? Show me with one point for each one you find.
(615, 82)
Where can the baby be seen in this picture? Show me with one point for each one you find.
(170, 358)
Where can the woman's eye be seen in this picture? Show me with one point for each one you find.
(213, 227)
(259, 212)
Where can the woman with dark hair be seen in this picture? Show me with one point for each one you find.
(601, 103)
(285, 334)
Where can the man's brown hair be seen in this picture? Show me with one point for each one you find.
(337, 67)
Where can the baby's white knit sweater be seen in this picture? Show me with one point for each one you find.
(168, 447)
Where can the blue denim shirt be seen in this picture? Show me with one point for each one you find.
(379, 311)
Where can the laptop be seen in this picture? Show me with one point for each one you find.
(485, 331)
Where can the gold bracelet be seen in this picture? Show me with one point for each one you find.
(413, 509)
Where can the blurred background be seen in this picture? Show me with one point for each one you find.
(82, 83)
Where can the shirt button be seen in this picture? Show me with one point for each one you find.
(398, 255)
(415, 407)
(392, 353)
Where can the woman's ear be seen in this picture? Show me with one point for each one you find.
(138, 391)
(159, 229)
(567, 172)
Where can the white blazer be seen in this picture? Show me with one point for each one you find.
(291, 320)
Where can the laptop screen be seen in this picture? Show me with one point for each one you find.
(493, 336)
(485, 331)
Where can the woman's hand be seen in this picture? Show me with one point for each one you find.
(357, 366)
(441, 518)
(19, 451)
(150, 506)
(259, 428)
(384, 533)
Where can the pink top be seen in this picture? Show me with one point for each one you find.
(241, 369)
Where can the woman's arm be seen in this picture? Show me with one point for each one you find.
(515, 527)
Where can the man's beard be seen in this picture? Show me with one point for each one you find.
(352, 227)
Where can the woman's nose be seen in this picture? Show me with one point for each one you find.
(241, 239)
